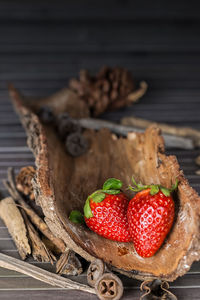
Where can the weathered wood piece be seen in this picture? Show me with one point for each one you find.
(12, 218)
(71, 264)
(63, 183)
(38, 249)
(40, 274)
(183, 132)
(40, 224)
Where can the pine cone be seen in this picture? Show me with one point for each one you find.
(23, 181)
(107, 90)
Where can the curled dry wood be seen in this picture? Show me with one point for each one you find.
(12, 218)
(68, 263)
(41, 225)
(40, 274)
(38, 249)
(63, 183)
(183, 132)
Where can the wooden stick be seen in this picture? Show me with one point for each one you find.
(12, 218)
(186, 132)
(136, 95)
(170, 140)
(40, 224)
(38, 249)
(40, 274)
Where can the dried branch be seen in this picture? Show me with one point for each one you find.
(42, 275)
(38, 249)
(12, 218)
(170, 141)
(136, 95)
(40, 224)
(184, 132)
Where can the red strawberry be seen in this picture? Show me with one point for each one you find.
(150, 217)
(105, 212)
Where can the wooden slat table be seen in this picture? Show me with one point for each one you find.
(44, 43)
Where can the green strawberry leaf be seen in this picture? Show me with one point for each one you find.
(111, 192)
(165, 191)
(97, 197)
(112, 184)
(87, 209)
(76, 217)
(154, 189)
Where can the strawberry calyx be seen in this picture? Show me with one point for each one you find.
(76, 217)
(154, 188)
(111, 186)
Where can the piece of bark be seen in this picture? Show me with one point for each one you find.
(38, 249)
(13, 220)
(42, 275)
(64, 100)
(170, 141)
(184, 132)
(69, 264)
(39, 223)
(63, 183)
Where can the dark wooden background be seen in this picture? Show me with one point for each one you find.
(44, 43)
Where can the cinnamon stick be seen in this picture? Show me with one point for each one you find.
(38, 249)
(40, 274)
(40, 224)
(12, 218)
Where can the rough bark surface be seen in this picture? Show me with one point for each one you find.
(63, 183)
(12, 218)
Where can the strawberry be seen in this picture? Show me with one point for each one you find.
(150, 216)
(105, 212)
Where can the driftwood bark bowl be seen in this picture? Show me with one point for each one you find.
(63, 183)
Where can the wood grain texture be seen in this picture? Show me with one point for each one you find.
(44, 43)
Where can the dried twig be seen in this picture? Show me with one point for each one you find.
(170, 140)
(184, 132)
(40, 274)
(12, 218)
(38, 249)
(40, 224)
(136, 95)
